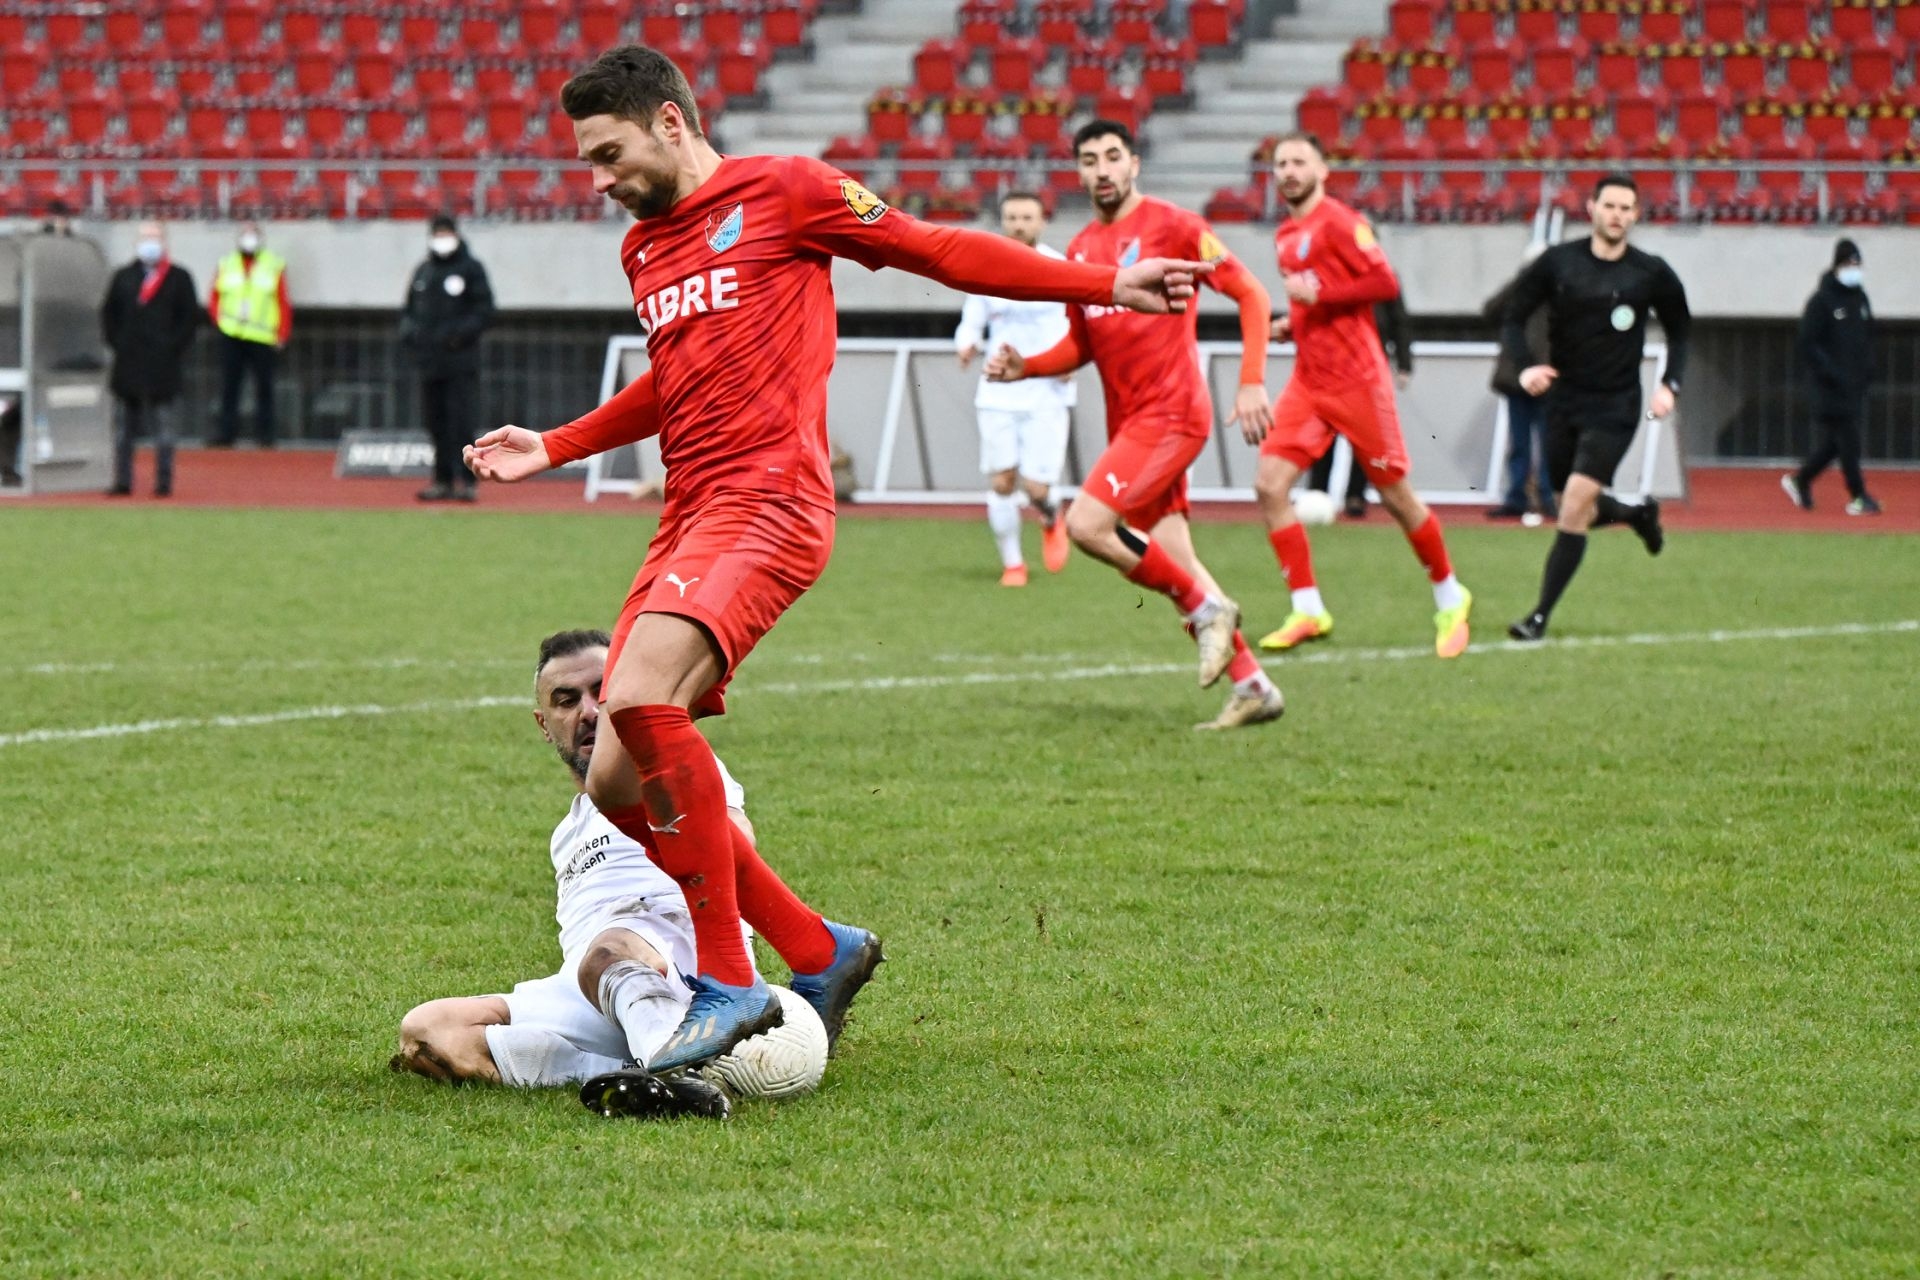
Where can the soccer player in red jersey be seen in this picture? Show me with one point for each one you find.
(1132, 511)
(729, 262)
(1335, 272)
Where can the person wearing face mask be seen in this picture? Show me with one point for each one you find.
(249, 307)
(449, 305)
(1836, 345)
(149, 318)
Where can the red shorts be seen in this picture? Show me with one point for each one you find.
(733, 566)
(1143, 473)
(1305, 422)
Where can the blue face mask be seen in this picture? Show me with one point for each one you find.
(1848, 276)
(149, 251)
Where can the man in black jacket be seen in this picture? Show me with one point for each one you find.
(149, 318)
(1526, 423)
(1836, 344)
(449, 305)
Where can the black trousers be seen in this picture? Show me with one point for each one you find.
(450, 404)
(239, 361)
(1837, 436)
(131, 420)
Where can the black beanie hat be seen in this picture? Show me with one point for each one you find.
(1844, 252)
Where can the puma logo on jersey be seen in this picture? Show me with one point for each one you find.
(642, 255)
(1117, 483)
(673, 579)
(716, 290)
(672, 828)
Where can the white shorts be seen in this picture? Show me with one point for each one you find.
(1030, 441)
(556, 1004)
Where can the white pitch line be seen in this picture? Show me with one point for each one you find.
(882, 684)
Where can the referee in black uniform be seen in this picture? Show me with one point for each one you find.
(1597, 293)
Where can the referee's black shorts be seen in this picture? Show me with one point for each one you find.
(1589, 432)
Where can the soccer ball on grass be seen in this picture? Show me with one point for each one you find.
(782, 1063)
(1314, 507)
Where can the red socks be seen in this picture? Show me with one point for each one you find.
(789, 925)
(1158, 572)
(684, 824)
(1432, 549)
(1296, 558)
(1244, 665)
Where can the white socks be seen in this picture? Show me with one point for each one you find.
(1307, 600)
(1003, 517)
(1447, 595)
(531, 1058)
(646, 1003)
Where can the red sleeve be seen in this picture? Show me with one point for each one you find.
(286, 311)
(1373, 279)
(1256, 307)
(1065, 355)
(633, 414)
(833, 214)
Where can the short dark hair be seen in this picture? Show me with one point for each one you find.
(564, 644)
(1302, 135)
(1100, 129)
(631, 82)
(1617, 180)
(1011, 196)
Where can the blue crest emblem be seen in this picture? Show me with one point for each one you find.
(1306, 243)
(724, 226)
(1130, 254)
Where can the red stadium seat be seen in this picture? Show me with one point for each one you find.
(721, 26)
(317, 69)
(982, 21)
(1637, 117)
(937, 66)
(1163, 71)
(1062, 23)
(1365, 68)
(425, 31)
(1491, 65)
(1699, 117)
(1683, 68)
(1446, 125)
(1599, 23)
(965, 120)
(1853, 21)
(183, 26)
(890, 115)
(1728, 21)
(1322, 112)
(1431, 70)
(783, 23)
(1556, 65)
(88, 118)
(1511, 125)
(921, 160)
(150, 119)
(256, 79)
(1235, 204)
(363, 29)
(1890, 124)
(1413, 22)
(1041, 124)
(1212, 23)
(450, 116)
(1664, 21)
(1015, 62)
(1763, 122)
(738, 70)
(1475, 20)
(326, 128)
(1809, 68)
(604, 23)
(1134, 22)
(506, 125)
(1788, 20)
(1743, 69)
(374, 71)
(1872, 64)
(1128, 106)
(242, 23)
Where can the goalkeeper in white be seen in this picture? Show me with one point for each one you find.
(625, 935)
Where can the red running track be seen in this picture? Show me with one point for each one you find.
(1726, 498)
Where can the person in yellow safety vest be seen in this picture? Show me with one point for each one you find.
(255, 319)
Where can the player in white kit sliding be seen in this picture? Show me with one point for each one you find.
(626, 940)
(1023, 425)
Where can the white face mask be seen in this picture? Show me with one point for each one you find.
(1848, 276)
(443, 246)
(249, 243)
(149, 251)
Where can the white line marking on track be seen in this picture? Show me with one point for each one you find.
(882, 684)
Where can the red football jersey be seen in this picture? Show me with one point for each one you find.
(1149, 365)
(1336, 340)
(734, 289)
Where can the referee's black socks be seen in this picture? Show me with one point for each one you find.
(1610, 510)
(1562, 563)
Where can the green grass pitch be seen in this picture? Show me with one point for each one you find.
(1595, 960)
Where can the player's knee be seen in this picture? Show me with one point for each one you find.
(1002, 483)
(423, 1048)
(1089, 523)
(607, 950)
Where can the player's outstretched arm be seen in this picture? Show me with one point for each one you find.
(979, 262)
(1063, 357)
(507, 454)
(1252, 410)
(632, 415)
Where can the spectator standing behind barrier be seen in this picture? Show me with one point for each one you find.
(149, 318)
(250, 308)
(1526, 425)
(1391, 319)
(1836, 345)
(449, 305)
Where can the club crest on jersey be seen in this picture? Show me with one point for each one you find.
(862, 203)
(1306, 243)
(723, 227)
(1130, 254)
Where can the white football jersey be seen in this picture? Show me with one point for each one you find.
(596, 867)
(1027, 327)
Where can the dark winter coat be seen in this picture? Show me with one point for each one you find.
(1836, 345)
(449, 305)
(150, 339)
(1506, 370)
(1390, 318)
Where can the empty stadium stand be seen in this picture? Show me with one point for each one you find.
(1728, 110)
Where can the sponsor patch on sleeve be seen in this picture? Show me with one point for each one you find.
(862, 203)
(1211, 250)
(1363, 235)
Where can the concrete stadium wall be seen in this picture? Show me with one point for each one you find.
(1730, 272)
